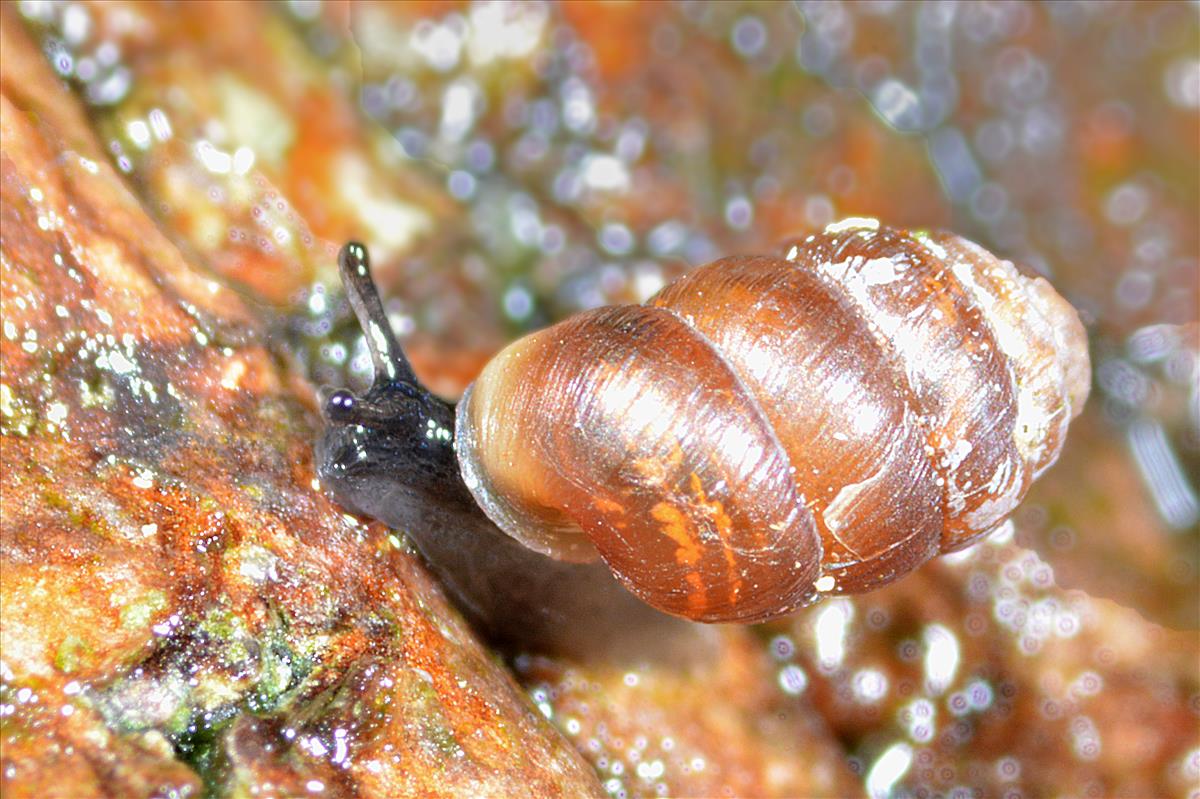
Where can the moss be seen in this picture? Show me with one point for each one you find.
(55, 499)
(252, 490)
(140, 612)
(220, 624)
(433, 727)
(16, 417)
(198, 735)
(280, 670)
(198, 744)
(96, 392)
(71, 653)
(14, 726)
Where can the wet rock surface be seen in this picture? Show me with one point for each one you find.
(184, 612)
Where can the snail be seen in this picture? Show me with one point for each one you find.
(763, 431)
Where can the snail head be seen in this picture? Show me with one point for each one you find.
(397, 435)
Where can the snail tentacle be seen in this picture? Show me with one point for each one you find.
(390, 362)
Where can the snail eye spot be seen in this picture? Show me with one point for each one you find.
(340, 405)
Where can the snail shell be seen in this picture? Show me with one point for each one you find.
(766, 429)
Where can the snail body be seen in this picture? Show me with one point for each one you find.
(768, 429)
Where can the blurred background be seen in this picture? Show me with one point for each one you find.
(509, 164)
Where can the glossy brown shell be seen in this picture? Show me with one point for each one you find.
(766, 429)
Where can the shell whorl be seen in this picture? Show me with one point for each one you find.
(765, 429)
